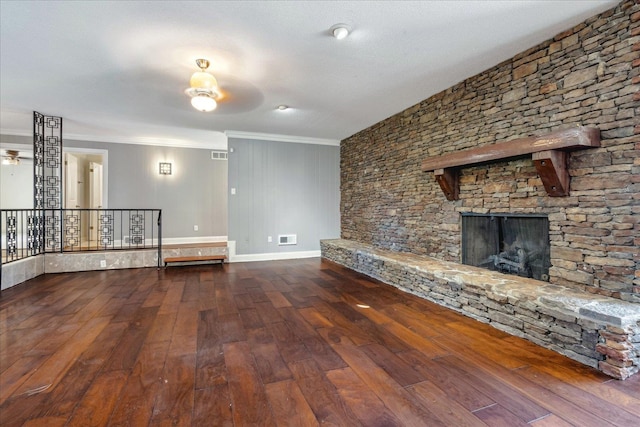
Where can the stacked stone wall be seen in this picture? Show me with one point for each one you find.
(588, 76)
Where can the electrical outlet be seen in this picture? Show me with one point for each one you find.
(269, 239)
(195, 228)
(103, 263)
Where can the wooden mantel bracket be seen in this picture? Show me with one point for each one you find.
(448, 180)
(549, 154)
(552, 169)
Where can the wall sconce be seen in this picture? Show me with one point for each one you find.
(165, 168)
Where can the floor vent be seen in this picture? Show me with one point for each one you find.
(287, 239)
(218, 155)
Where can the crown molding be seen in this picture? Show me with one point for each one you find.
(281, 138)
(179, 143)
(15, 132)
(157, 142)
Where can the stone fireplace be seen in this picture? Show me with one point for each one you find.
(401, 225)
(584, 78)
(511, 244)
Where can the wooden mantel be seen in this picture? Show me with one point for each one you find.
(549, 154)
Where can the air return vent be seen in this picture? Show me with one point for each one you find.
(287, 239)
(218, 155)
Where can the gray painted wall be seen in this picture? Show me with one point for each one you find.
(282, 188)
(16, 186)
(196, 193)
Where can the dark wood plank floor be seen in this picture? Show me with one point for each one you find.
(295, 343)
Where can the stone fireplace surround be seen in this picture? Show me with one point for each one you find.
(596, 330)
(408, 232)
(587, 76)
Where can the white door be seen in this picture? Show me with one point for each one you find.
(95, 185)
(72, 233)
(71, 182)
(95, 197)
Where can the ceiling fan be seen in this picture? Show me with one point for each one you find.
(13, 157)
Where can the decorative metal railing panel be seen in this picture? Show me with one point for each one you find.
(21, 234)
(47, 161)
(47, 174)
(72, 227)
(52, 230)
(35, 232)
(38, 160)
(12, 235)
(28, 232)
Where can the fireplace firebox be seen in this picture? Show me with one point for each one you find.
(508, 243)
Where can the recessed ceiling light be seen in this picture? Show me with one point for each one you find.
(340, 31)
(283, 107)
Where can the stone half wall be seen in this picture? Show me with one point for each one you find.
(596, 330)
(588, 76)
(20, 271)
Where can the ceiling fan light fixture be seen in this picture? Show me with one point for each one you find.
(203, 80)
(203, 88)
(203, 102)
(11, 158)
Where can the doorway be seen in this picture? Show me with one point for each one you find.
(84, 183)
(85, 187)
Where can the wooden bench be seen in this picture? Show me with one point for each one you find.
(217, 257)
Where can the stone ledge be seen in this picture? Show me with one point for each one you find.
(586, 327)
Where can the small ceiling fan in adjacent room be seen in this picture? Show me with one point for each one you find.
(13, 157)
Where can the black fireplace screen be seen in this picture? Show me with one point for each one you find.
(513, 244)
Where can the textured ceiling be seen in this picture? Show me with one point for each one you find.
(116, 71)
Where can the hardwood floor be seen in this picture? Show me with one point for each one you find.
(296, 343)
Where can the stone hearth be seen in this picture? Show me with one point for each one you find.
(596, 330)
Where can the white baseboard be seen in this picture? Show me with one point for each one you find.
(270, 256)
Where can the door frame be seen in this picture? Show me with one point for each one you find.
(105, 168)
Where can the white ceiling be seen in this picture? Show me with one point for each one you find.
(116, 71)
